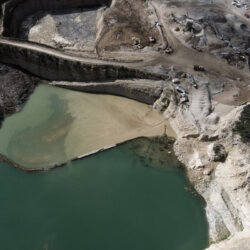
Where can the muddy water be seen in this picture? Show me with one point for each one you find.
(57, 125)
(124, 198)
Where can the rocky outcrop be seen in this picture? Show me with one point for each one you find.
(217, 152)
(15, 88)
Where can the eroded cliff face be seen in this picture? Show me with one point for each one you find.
(142, 90)
(218, 165)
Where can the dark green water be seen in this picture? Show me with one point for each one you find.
(121, 199)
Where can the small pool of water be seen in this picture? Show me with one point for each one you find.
(123, 198)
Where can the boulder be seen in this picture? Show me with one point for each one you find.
(217, 152)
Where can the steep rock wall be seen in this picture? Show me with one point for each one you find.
(55, 68)
(144, 91)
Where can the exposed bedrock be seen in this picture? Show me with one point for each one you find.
(15, 11)
(217, 164)
(48, 64)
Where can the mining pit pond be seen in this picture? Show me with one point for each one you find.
(134, 196)
(57, 125)
(123, 198)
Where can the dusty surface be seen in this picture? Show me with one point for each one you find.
(122, 22)
(205, 122)
(97, 30)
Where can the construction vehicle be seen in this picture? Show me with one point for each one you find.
(192, 81)
(181, 90)
(199, 68)
(176, 80)
(169, 51)
(226, 55)
(184, 99)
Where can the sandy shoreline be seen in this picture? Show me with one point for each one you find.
(112, 120)
(80, 157)
(67, 124)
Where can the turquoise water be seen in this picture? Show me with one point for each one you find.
(125, 198)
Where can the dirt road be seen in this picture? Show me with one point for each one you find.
(184, 57)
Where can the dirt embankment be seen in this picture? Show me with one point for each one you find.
(217, 163)
(126, 20)
(142, 90)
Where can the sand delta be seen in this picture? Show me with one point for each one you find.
(47, 133)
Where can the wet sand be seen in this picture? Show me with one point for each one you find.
(108, 120)
(57, 125)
